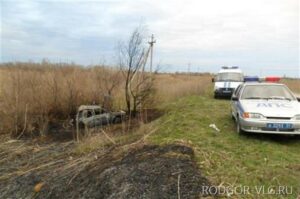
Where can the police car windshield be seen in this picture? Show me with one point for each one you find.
(237, 77)
(268, 92)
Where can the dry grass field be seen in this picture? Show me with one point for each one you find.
(36, 94)
(293, 84)
(179, 143)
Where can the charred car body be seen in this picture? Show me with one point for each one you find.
(93, 115)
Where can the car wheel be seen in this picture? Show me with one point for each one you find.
(232, 117)
(297, 136)
(117, 120)
(239, 130)
(81, 125)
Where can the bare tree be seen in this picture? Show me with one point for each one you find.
(140, 90)
(132, 60)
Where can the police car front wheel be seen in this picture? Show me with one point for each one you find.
(239, 130)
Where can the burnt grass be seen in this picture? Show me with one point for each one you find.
(146, 171)
(57, 133)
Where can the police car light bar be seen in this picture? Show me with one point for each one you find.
(272, 79)
(251, 79)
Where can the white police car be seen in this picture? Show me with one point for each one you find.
(265, 108)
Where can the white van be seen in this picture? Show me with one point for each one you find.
(227, 80)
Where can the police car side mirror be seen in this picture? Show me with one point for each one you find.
(212, 79)
(234, 98)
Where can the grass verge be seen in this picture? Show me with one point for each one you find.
(227, 158)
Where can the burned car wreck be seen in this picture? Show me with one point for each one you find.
(96, 116)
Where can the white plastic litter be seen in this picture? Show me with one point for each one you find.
(214, 127)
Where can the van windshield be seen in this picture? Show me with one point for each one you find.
(234, 77)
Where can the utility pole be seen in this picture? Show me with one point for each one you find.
(151, 42)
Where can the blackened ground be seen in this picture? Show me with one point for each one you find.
(147, 171)
(65, 130)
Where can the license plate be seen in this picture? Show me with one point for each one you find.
(279, 126)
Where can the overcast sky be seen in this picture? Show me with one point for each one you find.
(260, 36)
